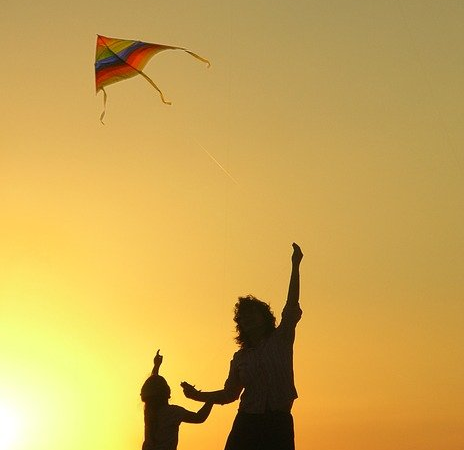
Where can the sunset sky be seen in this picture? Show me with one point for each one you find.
(340, 126)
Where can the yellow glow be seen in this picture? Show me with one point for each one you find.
(11, 429)
(26, 417)
(27, 412)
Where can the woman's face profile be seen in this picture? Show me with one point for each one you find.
(250, 320)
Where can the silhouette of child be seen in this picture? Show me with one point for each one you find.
(162, 420)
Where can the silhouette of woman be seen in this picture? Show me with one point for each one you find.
(262, 372)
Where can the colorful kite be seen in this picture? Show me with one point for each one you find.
(119, 59)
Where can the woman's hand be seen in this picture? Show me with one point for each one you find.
(189, 390)
(297, 255)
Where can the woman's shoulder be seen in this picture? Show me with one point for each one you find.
(239, 355)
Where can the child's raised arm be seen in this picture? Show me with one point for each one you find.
(157, 363)
(198, 417)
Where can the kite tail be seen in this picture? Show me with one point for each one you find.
(104, 106)
(155, 86)
(196, 56)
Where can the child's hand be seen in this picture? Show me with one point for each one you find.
(157, 360)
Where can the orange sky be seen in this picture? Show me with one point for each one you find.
(341, 124)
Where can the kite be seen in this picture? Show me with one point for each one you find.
(120, 59)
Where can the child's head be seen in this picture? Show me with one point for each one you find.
(155, 390)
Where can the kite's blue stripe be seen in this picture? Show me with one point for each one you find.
(108, 62)
(124, 54)
(115, 60)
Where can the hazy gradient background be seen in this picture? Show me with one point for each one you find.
(341, 123)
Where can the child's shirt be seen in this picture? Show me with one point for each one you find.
(162, 427)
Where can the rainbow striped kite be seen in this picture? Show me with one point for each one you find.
(119, 59)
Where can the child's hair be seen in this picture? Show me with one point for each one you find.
(155, 391)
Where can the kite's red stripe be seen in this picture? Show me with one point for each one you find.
(113, 71)
(139, 57)
(112, 74)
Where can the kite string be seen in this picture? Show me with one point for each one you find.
(215, 161)
(227, 300)
(189, 134)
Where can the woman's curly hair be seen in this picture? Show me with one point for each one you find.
(251, 303)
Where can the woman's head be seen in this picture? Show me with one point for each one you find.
(253, 318)
(155, 390)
